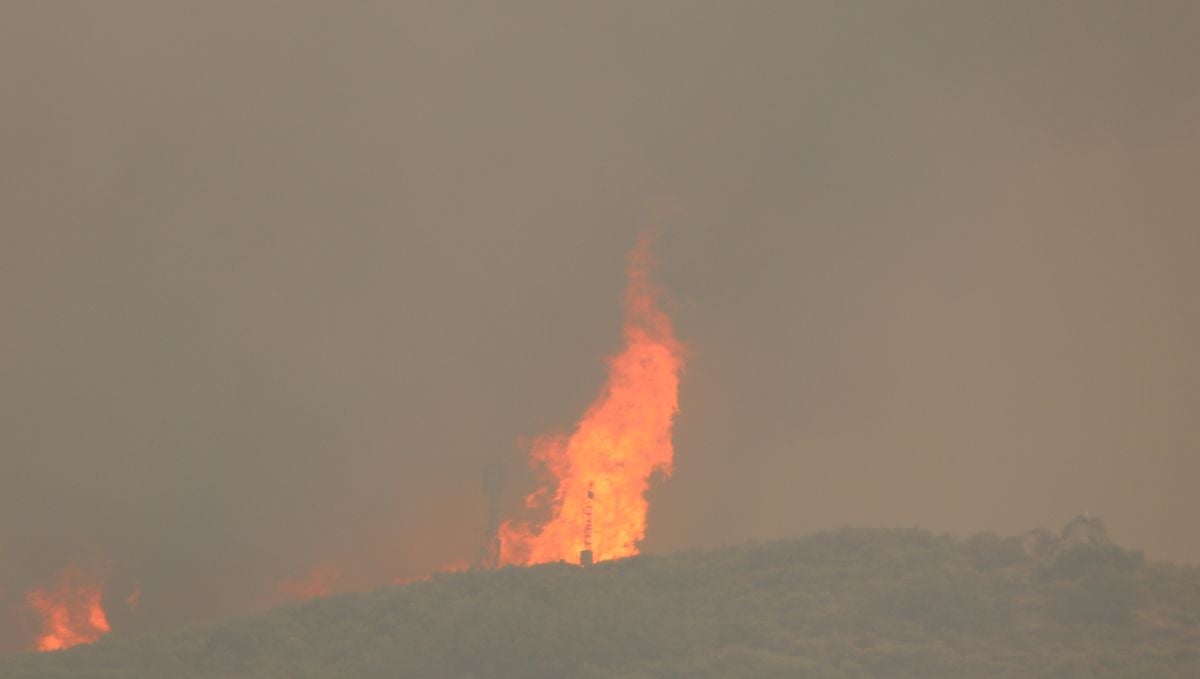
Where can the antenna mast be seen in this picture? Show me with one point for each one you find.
(585, 557)
(493, 488)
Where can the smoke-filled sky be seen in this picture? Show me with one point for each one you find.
(278, 279)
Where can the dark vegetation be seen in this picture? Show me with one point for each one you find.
(850, 603)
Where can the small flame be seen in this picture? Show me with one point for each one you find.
(134, 599)
(319, 583)
(457, 566)
(71, 611)
(623, 438)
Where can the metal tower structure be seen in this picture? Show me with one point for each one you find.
(585, 556)
(493, 488)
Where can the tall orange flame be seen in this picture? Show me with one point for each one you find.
(602, 470)
(71, 611)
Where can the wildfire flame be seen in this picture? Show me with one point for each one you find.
(604, 466)
(71, 611)
(319, 582)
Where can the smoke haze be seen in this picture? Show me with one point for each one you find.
(278, 279)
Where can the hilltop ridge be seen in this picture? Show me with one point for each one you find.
(838, 604)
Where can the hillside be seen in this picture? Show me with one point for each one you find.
(849, 603)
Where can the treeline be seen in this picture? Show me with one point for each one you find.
(849, 603)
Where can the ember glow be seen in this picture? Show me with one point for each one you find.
(320, 582)
(622, 439)
(459, 566)
(71, 611)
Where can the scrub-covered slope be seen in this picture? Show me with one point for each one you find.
(850, 603)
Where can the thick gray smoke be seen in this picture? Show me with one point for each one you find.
(277, 280)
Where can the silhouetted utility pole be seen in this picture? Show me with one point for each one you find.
(585, 557)
(493, 488)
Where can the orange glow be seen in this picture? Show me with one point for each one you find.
(319, 583)
(71, 611)
(623, 438)
(458, 566)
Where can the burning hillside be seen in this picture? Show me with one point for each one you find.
(71, 611)
(590, 501)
